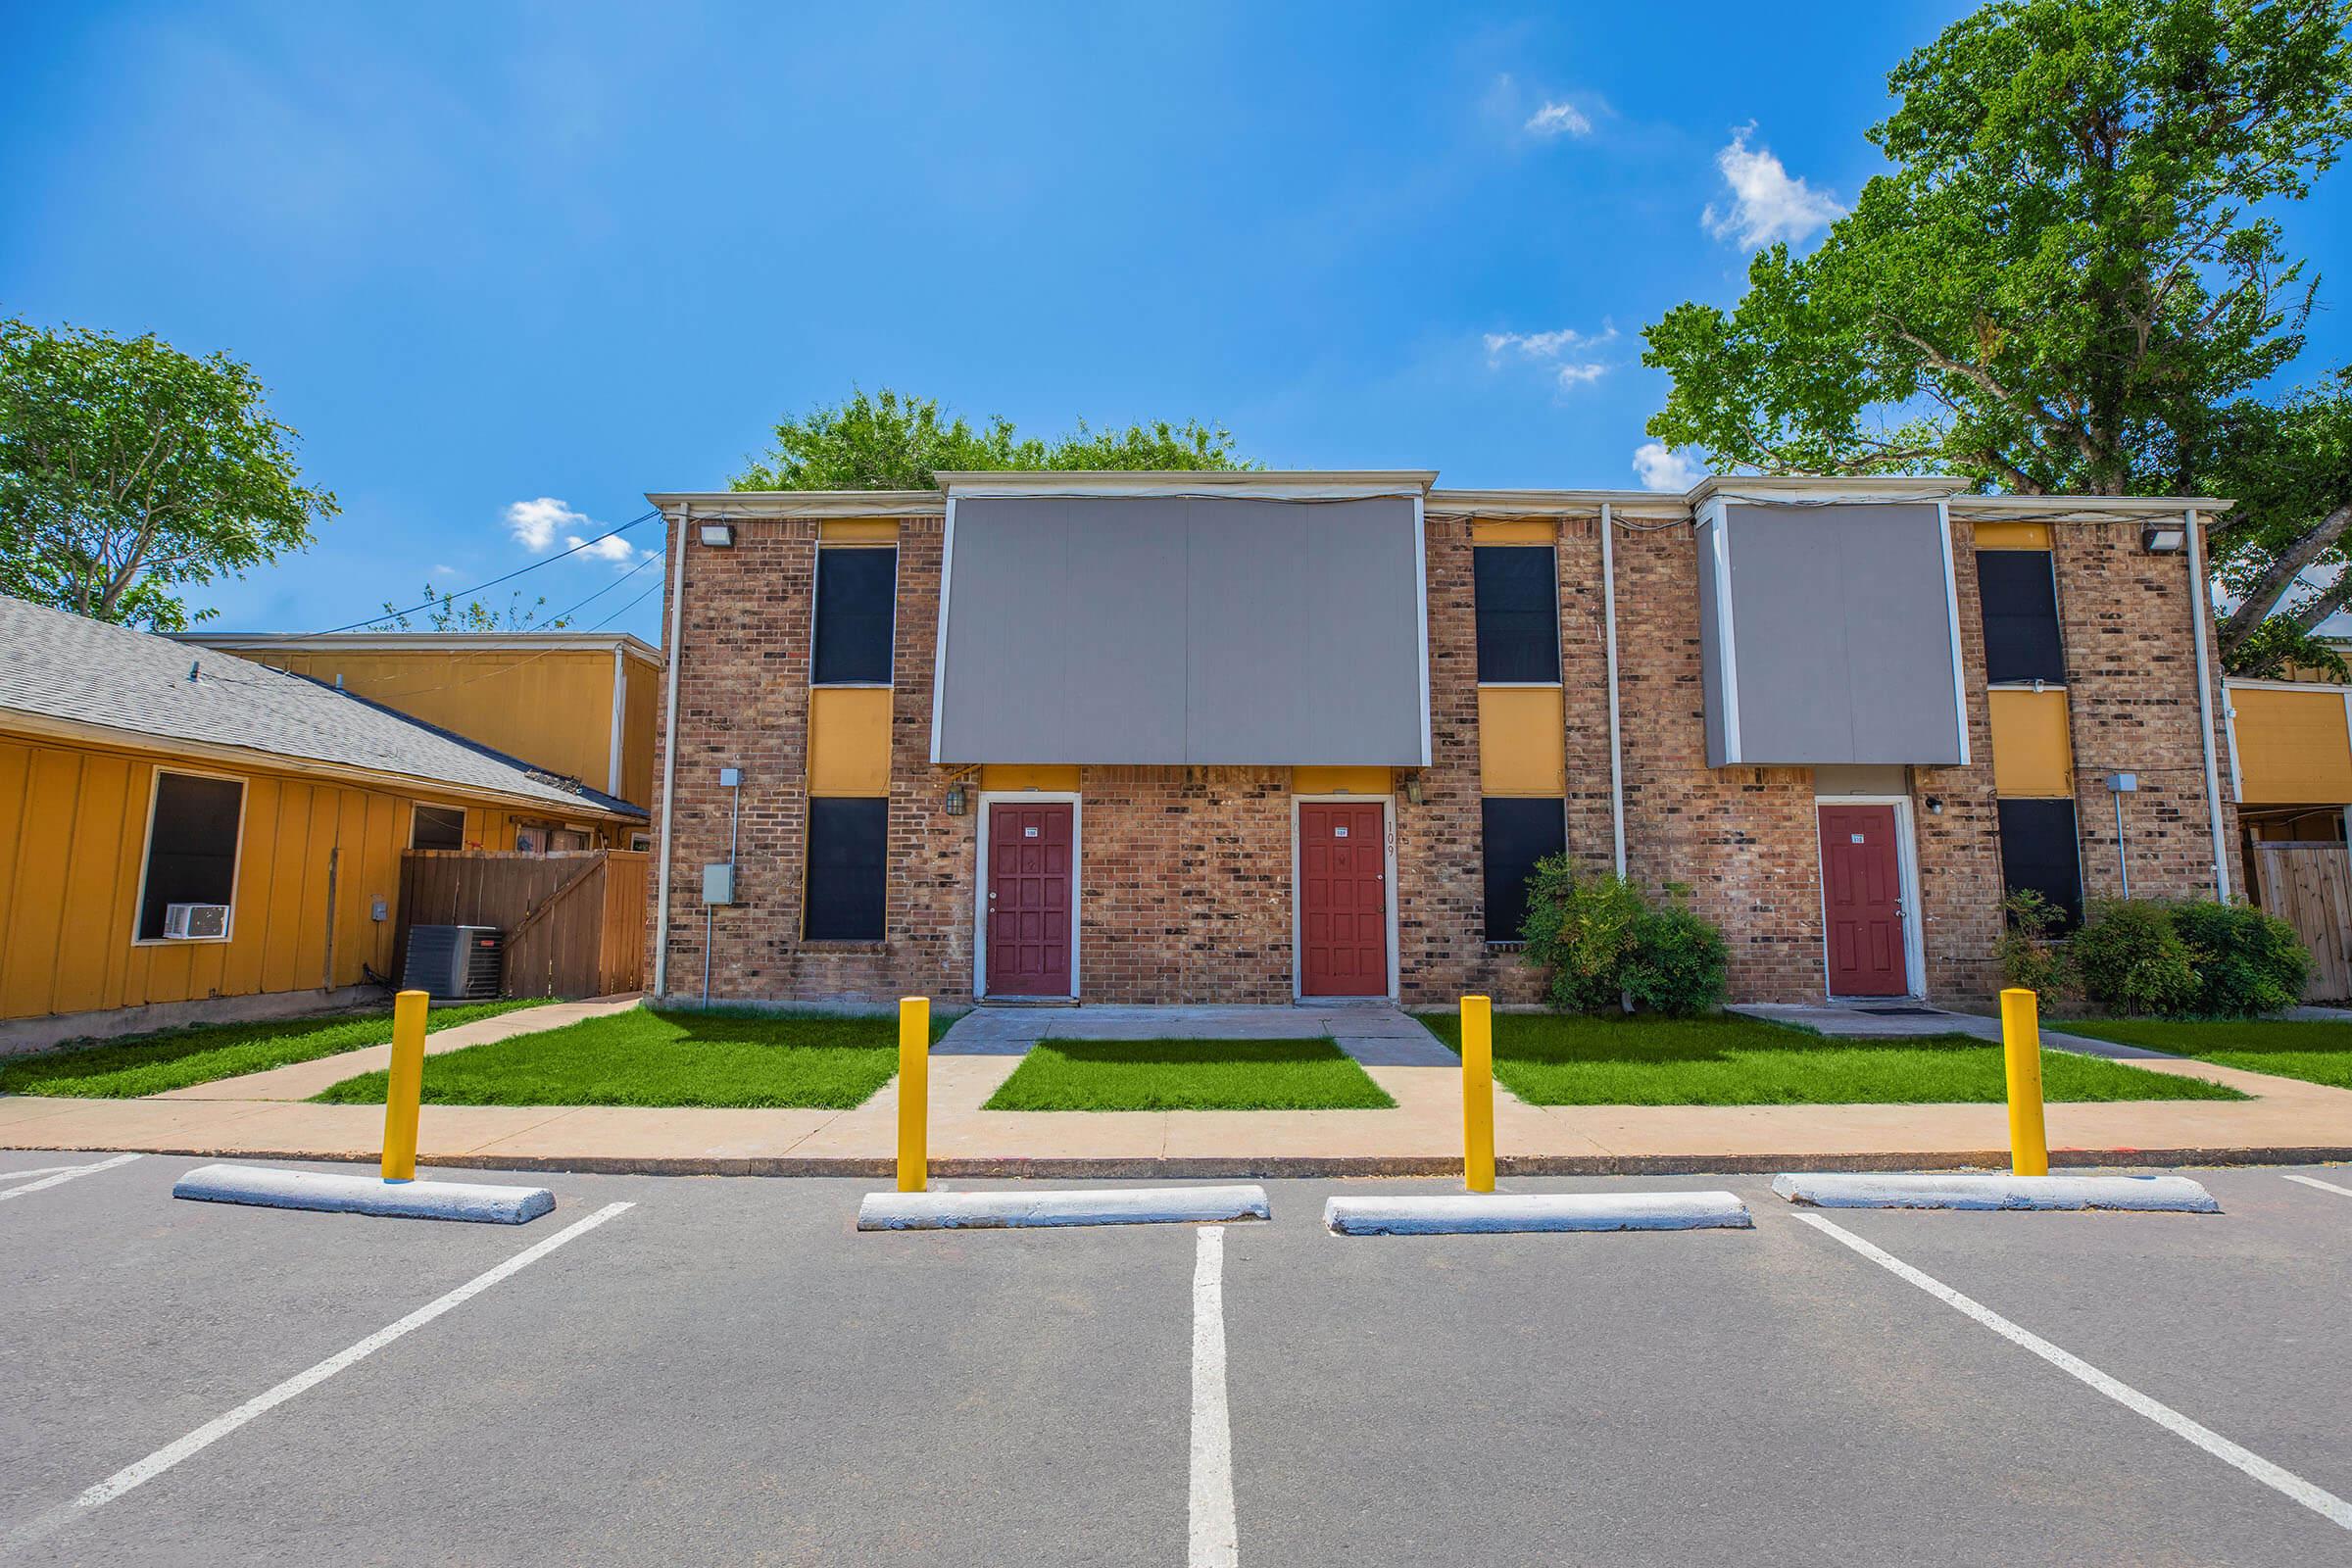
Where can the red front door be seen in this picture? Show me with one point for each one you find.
(1032, 888)
(1342, 899)
(1862, 897)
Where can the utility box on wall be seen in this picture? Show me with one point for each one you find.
(718, 884)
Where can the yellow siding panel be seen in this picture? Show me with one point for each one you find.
(1522, 742)
(2013, 536)
(1006, 776)
(848, 741)
(2031, 755)
(88, 914)
(257, 868)
(2293, 747)
(858, 531)
(1515, 531)
(642, 685)
(44, 860)
(1336, 780)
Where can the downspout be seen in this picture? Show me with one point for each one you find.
(669, 750)
(2212, 777)
(1608, 600)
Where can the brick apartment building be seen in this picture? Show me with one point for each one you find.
(1258, 737)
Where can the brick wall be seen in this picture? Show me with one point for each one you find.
(1186, 872)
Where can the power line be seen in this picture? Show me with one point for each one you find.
(625, 608)
(600, 592)
(394, 614)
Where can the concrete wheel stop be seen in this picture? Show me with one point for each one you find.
(1496, 1213)
(1109, 1205)
(1992, 1191)
(340, 1194)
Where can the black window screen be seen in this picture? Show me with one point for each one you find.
(846, 869)
(191, 845)
(1518, 834)
(856, 591)
(2040, 851)
(438, 828)
(2020, 595)
(1518, 612)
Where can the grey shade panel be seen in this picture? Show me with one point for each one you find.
(1161, 631)
(1842, 639)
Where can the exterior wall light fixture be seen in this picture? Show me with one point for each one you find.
(954, 800)
(718, 535)
(1412, 790)
(2164, 538)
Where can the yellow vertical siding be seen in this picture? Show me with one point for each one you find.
(641, 692)
(1059, 779)
(1332, 780)
(2013, 536)
(858, 531)
(1515, 531)
(2031, 755)
(2293, 747)
(1522, 742)
(849, 740)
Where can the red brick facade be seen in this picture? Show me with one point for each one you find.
(1185, 873)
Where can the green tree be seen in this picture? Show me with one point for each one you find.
(2288, 464)
(129, 469)
(889, 442)
(2074, 260)
(444, 614)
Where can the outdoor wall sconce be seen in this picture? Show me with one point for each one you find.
(718, 535)
(1935, 806)
(2164, 538)
(955, 802)
(1412, 790)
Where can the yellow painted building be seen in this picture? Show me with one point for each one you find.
(578, 704)
(179, 828)
(2291, 758)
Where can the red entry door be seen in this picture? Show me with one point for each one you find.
(1862, 897)
(1342, 899)
(1032, 888)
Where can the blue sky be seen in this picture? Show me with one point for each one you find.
(507, 267)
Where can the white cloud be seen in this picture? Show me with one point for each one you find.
(617, 550)
(445, 572)
(1545, 345)
(1768, 204)
(1559, 120)
(1661, 467)
(533, 523)
(1571, 376)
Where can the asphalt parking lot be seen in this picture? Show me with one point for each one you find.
(726, 1371)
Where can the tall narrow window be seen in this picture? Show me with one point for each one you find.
(847, 869)
(1517, 833)
(2018, 590)
(437, 827)
(1517, 592)
(856, 592)
(2040, 851)
(191, 852)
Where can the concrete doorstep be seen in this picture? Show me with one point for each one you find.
(340, 1194)
(1491, 1213)
(1952, 1190)
(1110, 1205)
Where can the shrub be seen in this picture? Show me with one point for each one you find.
(1678, 963)
(2030, 955)
(1581, 928)
(2129, 958)
(2247, 962)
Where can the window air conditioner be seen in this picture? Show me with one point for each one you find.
(195, 922)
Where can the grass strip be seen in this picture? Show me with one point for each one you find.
(1178, 1074)
(2315, 1050)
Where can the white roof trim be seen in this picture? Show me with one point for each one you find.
(427, 641)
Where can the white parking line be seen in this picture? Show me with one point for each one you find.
(7, 1176)
(2326, 1504)
(65, 1173)
(212, 1431)
(1215, 1537)
(2314, 1181)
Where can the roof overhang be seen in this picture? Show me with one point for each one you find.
(1240, 484)
(720, 505)
(426, 641)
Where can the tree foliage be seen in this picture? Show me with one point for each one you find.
(2073, 261)
(2289, 467)
(443, 612)
(129, 469)
(889, 442)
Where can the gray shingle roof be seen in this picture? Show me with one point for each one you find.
(66, 667)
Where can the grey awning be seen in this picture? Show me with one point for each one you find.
(1172, 630)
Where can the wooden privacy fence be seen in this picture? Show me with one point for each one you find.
(2309, 886)
(574, 922)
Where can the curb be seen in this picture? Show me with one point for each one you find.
(1493, 1213)
(337, 1193)
(1116, 1205)
(2142, 1194)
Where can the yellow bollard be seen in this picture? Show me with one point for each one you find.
(914, 1093)
(406, 1086)
(2021, 1044)
(1478, 1093)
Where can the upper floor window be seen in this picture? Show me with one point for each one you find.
(1518, 605)
(856, 602)
(191, 855)
(2018, 590)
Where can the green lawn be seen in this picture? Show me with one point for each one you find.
(1729, 1060)
(150, 1064)
(682, 1057)
(2317, 1050)
(1189, 1075)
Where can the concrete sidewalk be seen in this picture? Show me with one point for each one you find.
(2290, 1122)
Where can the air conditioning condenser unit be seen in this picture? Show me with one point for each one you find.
(455, 961)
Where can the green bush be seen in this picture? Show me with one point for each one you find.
(2247, 962)
(1579, 928)
(2030, 955)
(1678, 963)
(2129, 958)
